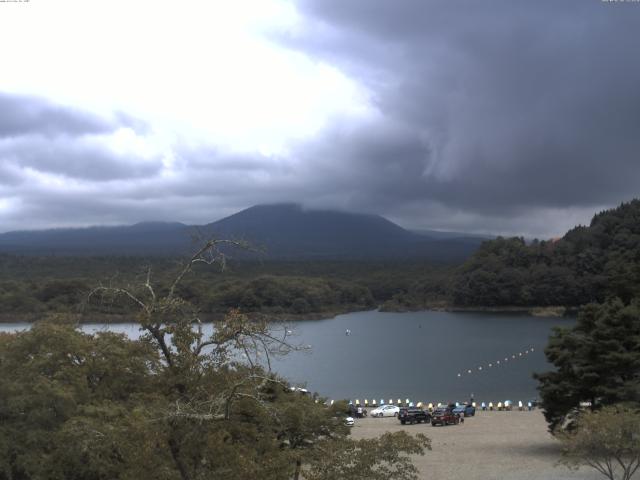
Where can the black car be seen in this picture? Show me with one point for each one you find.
(413, 415)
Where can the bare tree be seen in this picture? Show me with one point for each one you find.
(205, 373)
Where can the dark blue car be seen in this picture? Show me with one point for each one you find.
(467, 410)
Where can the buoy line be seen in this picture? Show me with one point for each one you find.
(497, 363)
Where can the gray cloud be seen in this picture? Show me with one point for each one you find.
(508, 108)
(73, 158)
(38, 136)
(27, 115)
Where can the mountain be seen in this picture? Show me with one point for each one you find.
(283, 231)
(290, 231)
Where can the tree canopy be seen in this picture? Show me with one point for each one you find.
(175, 404)
(607, 440)
(589, 264)
(597, 361)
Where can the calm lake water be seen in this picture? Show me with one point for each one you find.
(423, 356)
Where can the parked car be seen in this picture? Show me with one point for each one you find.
(413, 415)
(385, 411)
(444, 416)
(465, 410)
(349, 421)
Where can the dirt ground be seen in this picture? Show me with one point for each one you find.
(491, 445)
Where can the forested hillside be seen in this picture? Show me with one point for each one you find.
(32, 286)
(588, 264)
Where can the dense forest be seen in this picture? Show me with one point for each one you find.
(32, 286)
(589, 264)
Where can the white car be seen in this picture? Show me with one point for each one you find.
(349, 421)
(385, 411)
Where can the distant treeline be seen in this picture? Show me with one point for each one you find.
(38, 285)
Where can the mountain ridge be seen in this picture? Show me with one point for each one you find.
(284, 231)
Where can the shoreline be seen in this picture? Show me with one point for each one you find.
(81, 318)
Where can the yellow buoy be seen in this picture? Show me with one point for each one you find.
(357, 402)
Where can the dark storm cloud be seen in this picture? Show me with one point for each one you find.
(507, 107)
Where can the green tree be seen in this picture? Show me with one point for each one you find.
(597, 361)
(177, 404)
(607, 440)
(380, 458)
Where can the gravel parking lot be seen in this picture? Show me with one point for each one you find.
(492, 445)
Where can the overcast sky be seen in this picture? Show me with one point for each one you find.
(510, 117)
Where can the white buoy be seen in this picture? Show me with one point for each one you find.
(468, 371)
(520, 354)
(498, 362)
(399, 401)
(390, 402)
(459, 374)
(407, 401)
(357, 402)
(331, 402)
(366, 402)
(479, 368)
(490, 365)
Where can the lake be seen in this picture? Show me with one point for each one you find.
(424, 356)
